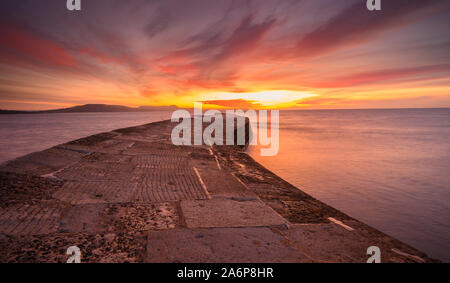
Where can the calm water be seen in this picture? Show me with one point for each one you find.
(387, 168)
(25, 133)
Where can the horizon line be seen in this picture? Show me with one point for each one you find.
(220, 109)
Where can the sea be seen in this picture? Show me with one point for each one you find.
(21, 134)
(387, 168)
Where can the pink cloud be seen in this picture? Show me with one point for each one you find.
(380, 76)
(27, 44)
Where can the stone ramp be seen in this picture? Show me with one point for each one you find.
(216, 213)
(132, 196)
(219, 245)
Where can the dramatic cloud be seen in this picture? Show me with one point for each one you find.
(151, 52)
(234, 103)
(381, 76)
(356, 24)
(25, 46)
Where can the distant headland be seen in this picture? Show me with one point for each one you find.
(95, 108)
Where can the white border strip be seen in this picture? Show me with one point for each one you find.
(202, 183)
(218, 164)
(240, 181)
(413, 257)
(340, 224)
(215, 156)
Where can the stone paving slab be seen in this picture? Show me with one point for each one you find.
(142, 217)
(83, 218)
(228, 213)
(139, 148)
(94, 140)
(219, 245)
(43, 162)
(27, 219)
(203, 158)
(153, 161)
(96, 171)
(95, 218)
(207, 164)
(153, 187)
(333, 243)
(162, 185)
(293, 204)
(25, 189)
(96, 192)
(95, 248)
(106, 158)
(139, 138)
(224, 184)
(111, 146)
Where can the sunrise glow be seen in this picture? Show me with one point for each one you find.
(267, 54)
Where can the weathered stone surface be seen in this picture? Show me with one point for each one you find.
(96, 171)
(96, 192)
(153, 161)
(155, 186)
(217, 245)
(27, 219)
(131, 195)
(95, 218)
(43, 162)
(163, 185)
(83, 218)
(52, 248)
(290, 202)
(203, 159)
(333, 243)
(98, 157)
(141, 217)
(139, 148)
(25, 189)
(224, 184)
(103, 143)
(94, 140)
(228, 213)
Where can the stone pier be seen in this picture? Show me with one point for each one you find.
(130, 195)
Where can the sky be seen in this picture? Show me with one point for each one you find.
(296, 54)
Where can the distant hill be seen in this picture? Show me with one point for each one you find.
(12, 112)
(96, 108)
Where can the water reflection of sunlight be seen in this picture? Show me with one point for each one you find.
(273, 98)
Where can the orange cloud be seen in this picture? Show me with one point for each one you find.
(356, 24)
(28, 44)
(234, 103)
(381, 76)
(313, 101)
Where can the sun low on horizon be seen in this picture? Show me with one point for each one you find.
(314, 54)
